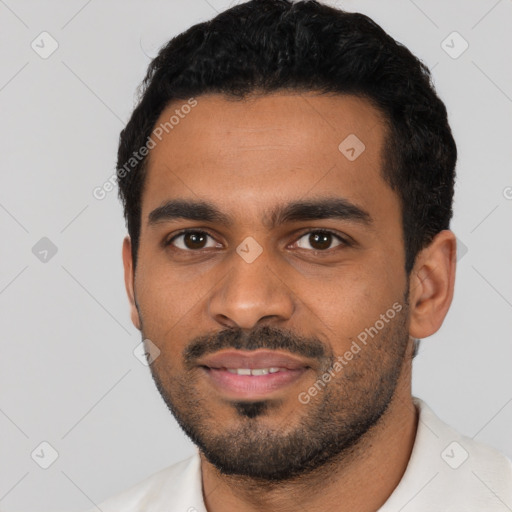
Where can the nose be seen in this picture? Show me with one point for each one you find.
(251, 293)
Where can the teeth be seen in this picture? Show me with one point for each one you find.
(255, 371)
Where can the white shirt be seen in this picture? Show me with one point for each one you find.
(447, 471)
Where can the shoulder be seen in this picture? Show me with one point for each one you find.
(177, 487)
(448, 471)
(465, 472)
(458, 449)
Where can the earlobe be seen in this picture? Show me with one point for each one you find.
(432, 283)
(129, 280)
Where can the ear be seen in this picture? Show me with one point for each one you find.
(129, 280)
(432, 282)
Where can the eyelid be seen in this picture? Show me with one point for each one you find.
(344, 239)
(168, 240)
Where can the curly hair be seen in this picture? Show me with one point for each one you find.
(264, 46)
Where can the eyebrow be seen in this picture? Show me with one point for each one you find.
(313, 209)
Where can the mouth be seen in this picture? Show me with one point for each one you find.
(252, 375)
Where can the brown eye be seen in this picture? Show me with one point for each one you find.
(190, 240)
(319, 240)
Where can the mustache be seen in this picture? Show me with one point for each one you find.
(265, 337)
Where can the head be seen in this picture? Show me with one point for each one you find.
(311, 161)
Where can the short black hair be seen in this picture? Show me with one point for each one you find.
(265, 46)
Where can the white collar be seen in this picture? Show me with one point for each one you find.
(446, 471)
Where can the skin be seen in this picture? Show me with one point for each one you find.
(247, 157)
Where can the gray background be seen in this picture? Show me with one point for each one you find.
(68, 375)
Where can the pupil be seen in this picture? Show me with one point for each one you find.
(195, 239)
(322, 239)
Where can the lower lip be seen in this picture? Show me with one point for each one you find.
(252, 386)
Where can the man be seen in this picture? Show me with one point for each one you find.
(287, 179)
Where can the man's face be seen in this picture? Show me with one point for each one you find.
(250, 281)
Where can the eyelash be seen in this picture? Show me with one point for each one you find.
(344, 241)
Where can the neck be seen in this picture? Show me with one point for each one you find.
(362, 479)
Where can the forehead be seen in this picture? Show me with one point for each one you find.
(244, 155)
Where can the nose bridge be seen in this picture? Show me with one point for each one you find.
(251, 290)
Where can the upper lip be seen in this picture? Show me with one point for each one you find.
(252, 360)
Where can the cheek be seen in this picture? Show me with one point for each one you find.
(166, 309)
(353, 299)
(165, 294)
